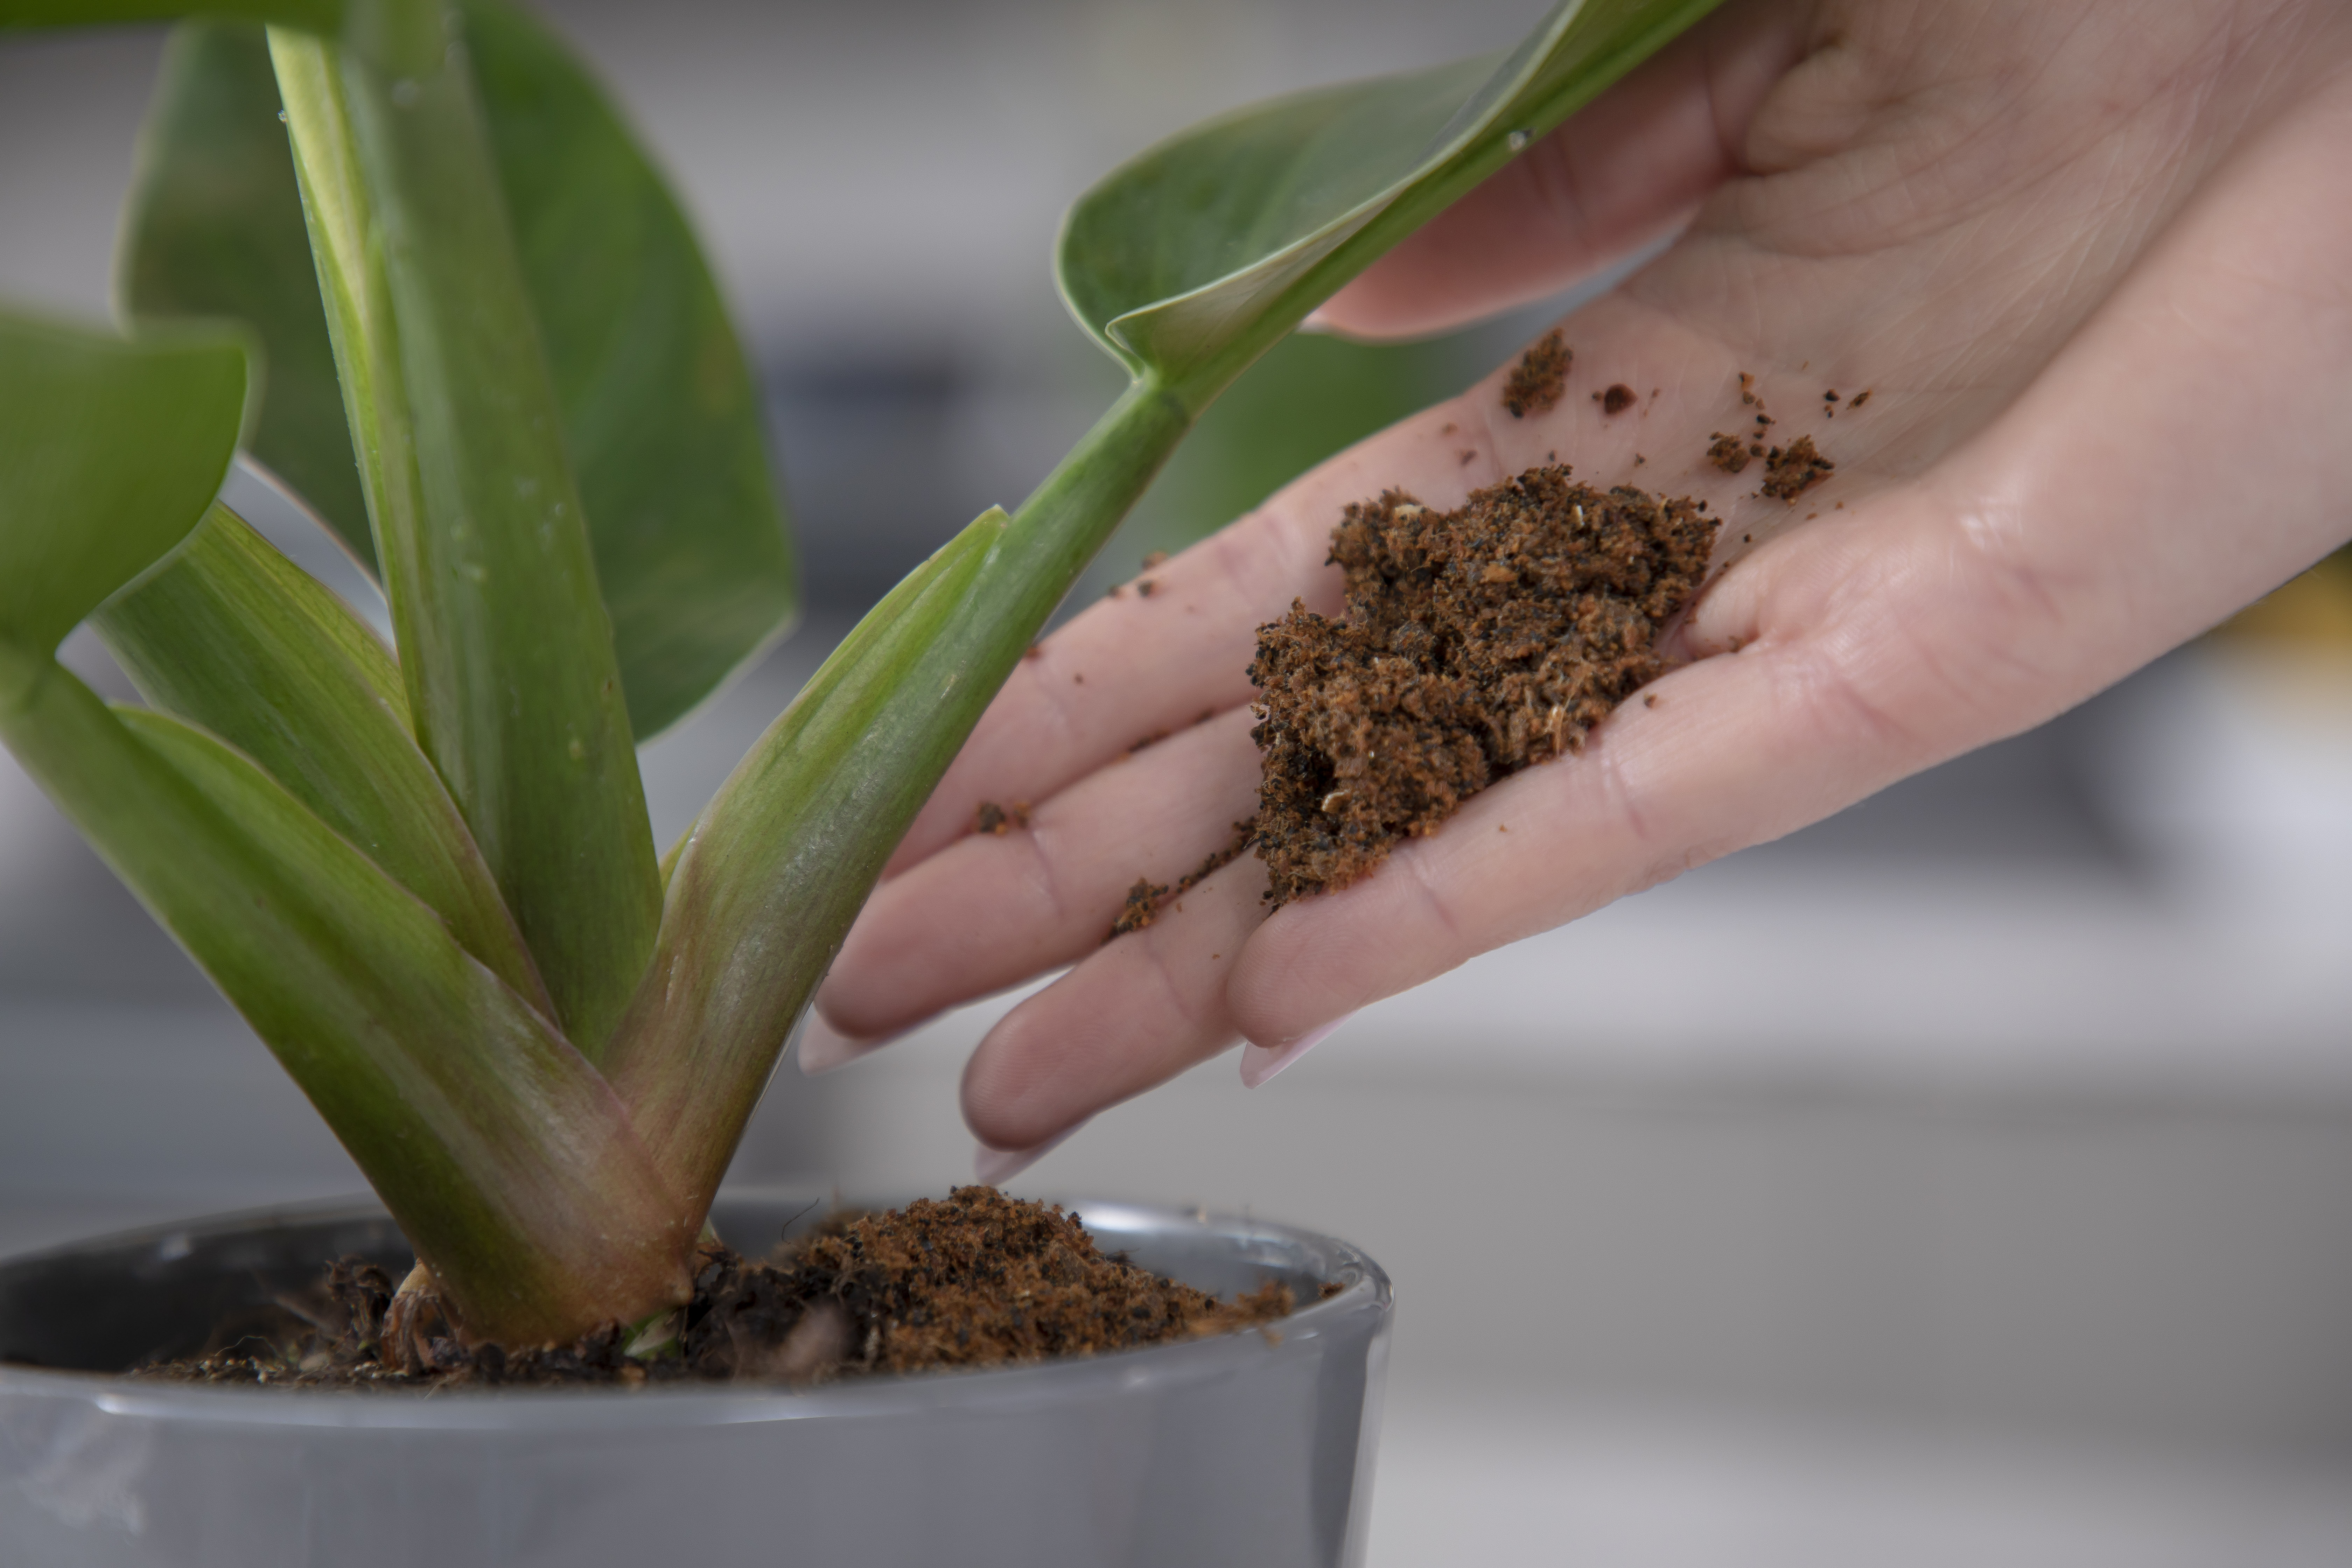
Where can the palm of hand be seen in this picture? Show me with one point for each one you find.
(2090, 260)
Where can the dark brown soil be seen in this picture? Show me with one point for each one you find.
(980, 1279)
(1476, 643)
(1791, 472)
(1000, 820)
(1147, 897)
(1730, 454)
(1537, 381)
(1142, 906)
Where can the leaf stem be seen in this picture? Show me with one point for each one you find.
(1070, 516)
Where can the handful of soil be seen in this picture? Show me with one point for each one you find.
(1476, 643)
(979, 1280)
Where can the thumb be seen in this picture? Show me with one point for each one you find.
(1616, 174)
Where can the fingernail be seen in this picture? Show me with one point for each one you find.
(1260, 1063)
(1316, 322)
(823, 1048)
(994, 1167)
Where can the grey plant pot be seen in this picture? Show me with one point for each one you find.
(1243, 1449)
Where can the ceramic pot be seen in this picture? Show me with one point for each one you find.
(1248, 1449)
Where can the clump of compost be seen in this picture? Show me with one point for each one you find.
(1536, 383)
(1790, 471)
(1730, 453)
(979, 1280)
(1476, 643)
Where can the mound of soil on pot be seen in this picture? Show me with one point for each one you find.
(1476, 643)
(979, 1280)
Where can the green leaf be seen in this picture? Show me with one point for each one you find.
(320, 15)
(213, 227)
(505, 646)
(109, 451)
(231, 636)
(766, 885)
(506, 1159)
(1189, 261)
(660, 412)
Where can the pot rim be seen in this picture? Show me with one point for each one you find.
(1365, 1288)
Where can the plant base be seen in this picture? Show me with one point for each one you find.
(1241, 1449)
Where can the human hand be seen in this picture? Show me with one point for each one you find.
(2093, 261)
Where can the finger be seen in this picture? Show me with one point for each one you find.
(990, 912)
(2186, 451)
(1126, 1019)
(1616, 174)
(1122, 671)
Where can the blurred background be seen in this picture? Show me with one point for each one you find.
(1965, 1179)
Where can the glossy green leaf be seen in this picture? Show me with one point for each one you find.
(109, 451)
(505, 1157)
(320, 16)
(658, 403)
(213, 227)
(660, 411)
(1190, 260)
(505, 647)
(766, 886)
(231, 636)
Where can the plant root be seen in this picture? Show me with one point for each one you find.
(415, 1312)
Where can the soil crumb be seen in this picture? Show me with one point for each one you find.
(1791, 472)
(998, 819)
(1728, 453)
(1476, 643)
(1141, 909)
(1541, 376)
(979, 1280)
(1147, 898)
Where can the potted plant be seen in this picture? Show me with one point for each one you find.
(499, 372)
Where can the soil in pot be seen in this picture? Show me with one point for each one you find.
(1475, 642)
(978, 1279)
